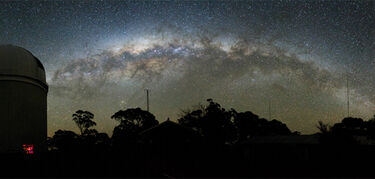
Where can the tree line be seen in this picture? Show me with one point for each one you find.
(213, 123)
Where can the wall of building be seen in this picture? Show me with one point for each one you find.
(23, 113)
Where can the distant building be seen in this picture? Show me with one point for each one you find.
(169, 144)
(280, 148)
(287, 140)
(23, 100)
(170, 133)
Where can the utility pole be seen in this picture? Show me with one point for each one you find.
(148, 101)
(347, 91)
(269, 109)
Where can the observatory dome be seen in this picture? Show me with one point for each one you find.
(23, 100)
(19, 62)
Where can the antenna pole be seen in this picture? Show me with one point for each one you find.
(347, 91)
(148, 101)
(269, 109)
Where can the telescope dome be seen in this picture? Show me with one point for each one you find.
(19, 62)
(23, 100)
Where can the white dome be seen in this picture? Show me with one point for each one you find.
(18, 62)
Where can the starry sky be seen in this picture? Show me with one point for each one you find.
(295, 55)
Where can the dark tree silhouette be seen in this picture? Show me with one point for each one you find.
(349, 126)
(132, 121)
(192, 118)
(323, 128)
(343, 132)
(213, 122)
(92, 139)
(249, 125)
(83, 119)
(68, 141)
(223, 126)
(276, 127)
(370, 126)
(353, 123)
(64, 141)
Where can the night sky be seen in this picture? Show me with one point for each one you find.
(296, 55)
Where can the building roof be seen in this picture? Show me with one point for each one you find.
(19, 62)
(292, 139)
(169, 128)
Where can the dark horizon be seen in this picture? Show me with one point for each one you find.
(208, 141)
(195, 107)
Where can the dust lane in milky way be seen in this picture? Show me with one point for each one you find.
(101, 55)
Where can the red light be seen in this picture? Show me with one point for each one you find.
(28, 149)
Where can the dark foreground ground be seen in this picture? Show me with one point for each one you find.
(198, 161)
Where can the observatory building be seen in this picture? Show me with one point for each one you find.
(23, 100)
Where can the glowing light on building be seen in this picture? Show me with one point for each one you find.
(28, 149)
